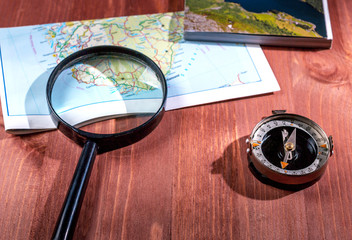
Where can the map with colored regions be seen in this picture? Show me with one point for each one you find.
(157, 36)
(196, 72)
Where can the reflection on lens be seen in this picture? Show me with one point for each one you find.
(119, 92)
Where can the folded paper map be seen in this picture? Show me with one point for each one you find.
(196, 72)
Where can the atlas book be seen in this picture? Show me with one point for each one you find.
(292, 23)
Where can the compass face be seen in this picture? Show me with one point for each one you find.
(288, 146)
(302, 157)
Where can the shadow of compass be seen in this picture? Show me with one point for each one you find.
(235, 169)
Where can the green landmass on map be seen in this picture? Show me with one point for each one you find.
(220, 16)
(125, 74)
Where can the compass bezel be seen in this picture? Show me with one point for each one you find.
(281, 175)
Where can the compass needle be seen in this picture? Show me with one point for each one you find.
(292, 138)
(289, 146)
(284, 135)
(284, 165)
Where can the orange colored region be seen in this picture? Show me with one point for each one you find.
(255, 144)
(284, 164)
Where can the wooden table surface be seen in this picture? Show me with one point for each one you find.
(189, 179)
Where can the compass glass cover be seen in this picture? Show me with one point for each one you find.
(303, 156)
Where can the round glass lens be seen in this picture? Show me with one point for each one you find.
(107, 94)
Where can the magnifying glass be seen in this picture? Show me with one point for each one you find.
(103, 98)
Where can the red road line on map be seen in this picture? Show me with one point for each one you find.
(239, 79)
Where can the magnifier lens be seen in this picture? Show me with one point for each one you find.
(115, 88)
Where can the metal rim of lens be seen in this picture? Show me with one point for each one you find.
(80, 136)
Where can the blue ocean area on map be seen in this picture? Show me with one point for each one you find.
(21, 69)
(201, 62)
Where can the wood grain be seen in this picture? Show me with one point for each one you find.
(189, 179)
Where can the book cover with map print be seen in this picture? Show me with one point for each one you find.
(292, 23)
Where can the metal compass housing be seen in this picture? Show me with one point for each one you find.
(289, 149)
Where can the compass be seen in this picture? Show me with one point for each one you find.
(288, 150)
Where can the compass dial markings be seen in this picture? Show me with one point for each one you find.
(297, 124)
(256, 144)
(324, 146)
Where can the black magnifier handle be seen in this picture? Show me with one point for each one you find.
(66, 223)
